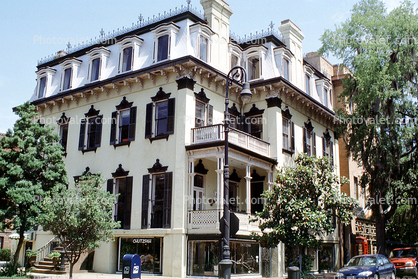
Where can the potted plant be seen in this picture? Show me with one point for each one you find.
(55, 257)
(31, 256)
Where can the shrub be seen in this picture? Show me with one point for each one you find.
(5, 255)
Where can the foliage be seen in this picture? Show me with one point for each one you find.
(5, 255)
(31, 163)
(55, 257)
(30, 253)
(380, 49)
(403, 225)
(12, 269)
(80, 217)
(303, 203)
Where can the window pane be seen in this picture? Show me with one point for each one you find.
(325, 97)
(64, 135)
(256, 126)
(285, 134)
(308, 84)
(162, 48)
(91, 134)
(254, 68)
(157, 200)
(67, 79)
(286, 69)
(42, 87)
(95, 67)
(200, 114)
(234, 61)
(161, 114)
(124, 118)
(127, 59)
(203, 49)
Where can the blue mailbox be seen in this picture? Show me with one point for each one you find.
(131, 266)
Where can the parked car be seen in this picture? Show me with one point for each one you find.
(368, 266)
(405, 260)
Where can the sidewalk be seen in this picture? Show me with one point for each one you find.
(92, 275)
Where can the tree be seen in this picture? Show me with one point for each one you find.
(304, 203)
(31, 163)
(380, 49)
(81, 217)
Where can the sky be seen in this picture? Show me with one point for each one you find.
(31, 30)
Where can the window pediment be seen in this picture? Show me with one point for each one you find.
(92, 112)
(161, 95)
(120, 172)
(200, 168)
(130, 40)
(124, 104)
(254, 111)
(165, 28)
(327, 135)
(70, 62)
(157, 167)
(234, 110)
(202, 96)
(63, 119)
(308, 125)
(286, 113)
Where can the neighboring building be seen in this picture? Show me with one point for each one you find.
(144, 106)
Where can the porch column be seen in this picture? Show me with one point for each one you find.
(248, 188)
(270, 180)
(191, 182)
(220, 182)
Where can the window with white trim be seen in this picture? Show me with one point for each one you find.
(122, 128)
(159, 116)
(128, 53)
(44, 81)
(253, 58)
(200, 35)
(164, 40)
(97, 63)
(69, 69)
(288, 127)
(204, 111)
(309, 139)
(90, 130)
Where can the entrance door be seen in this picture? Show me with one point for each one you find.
(256, 200)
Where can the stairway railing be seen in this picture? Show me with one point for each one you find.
(46, 249)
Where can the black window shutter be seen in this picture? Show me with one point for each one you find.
(324, 142)
(167, 200)
(128, 204)
(110, 186)
(292, 128)
(99, 121)
(305, 148)
(132, 122)
(314, 143)
(331, 151)
(113, 128)
(210, 115)
(145, 201)
(82, 134)
(148, 121)
(170, 118)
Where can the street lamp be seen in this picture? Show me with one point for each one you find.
(236, 74)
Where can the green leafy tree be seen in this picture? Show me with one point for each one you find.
(81, 217)
(31, 163)
(380, 49)
(304, 203)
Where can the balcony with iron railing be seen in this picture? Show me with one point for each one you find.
(210, 219)
(215, 133)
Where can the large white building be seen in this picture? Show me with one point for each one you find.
(144, 106)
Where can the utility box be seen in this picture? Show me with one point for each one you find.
(293, 272)
(131, 266)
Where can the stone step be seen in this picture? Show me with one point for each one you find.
(45, 267)
(47, 271)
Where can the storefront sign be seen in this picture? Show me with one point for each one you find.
(142, 240)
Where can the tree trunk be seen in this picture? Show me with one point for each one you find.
(380, 230)
(19, 247)
(71, 269)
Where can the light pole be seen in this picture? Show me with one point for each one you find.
(237, 74)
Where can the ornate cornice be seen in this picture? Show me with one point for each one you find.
(200, 168)
(124, 104)
(185, 82)
(308, 125)
(254, 111)
(286, 113)
(63, 119)
(92, 112)
(161, 95)
(202, 96)
(157, 167)
(274, 102)
(120, 172)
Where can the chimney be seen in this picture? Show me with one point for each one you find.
(217, 13)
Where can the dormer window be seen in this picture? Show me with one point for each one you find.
(235, 52)
(69, 70)
(253, 57)
(308, 79)
(164, 40)
(323, 88)
(201, 37)
(283, 58)
(97, 63)
(128, 51)
(44, 81)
